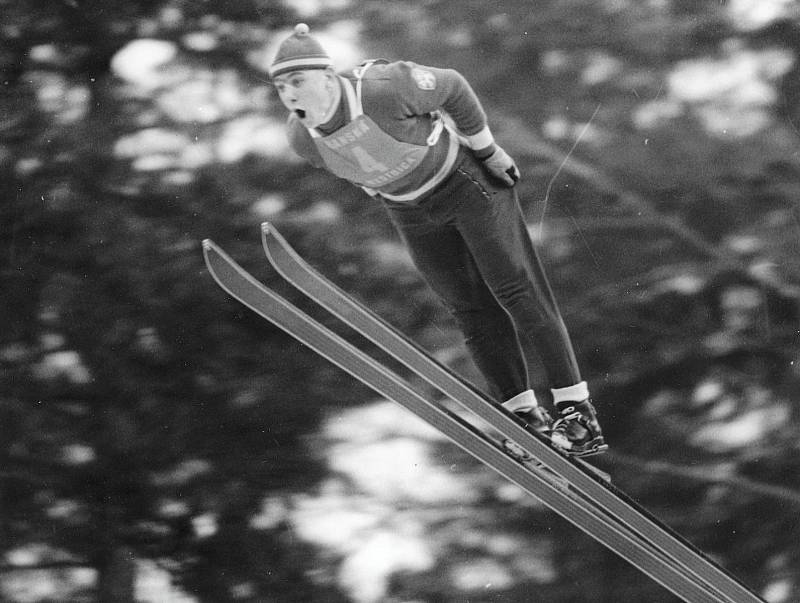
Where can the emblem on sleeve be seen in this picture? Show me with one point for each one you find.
(424, 78)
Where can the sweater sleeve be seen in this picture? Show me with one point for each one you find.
(420, 89)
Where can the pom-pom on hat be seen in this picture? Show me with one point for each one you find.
(299, 51)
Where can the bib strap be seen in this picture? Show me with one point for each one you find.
(437, 123)
(353, 102)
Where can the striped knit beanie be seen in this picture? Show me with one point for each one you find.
(299, 51)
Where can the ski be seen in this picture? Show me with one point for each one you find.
(583, 477)
(271, 306)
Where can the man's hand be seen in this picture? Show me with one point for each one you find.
(499, 164)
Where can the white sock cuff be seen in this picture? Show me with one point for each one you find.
(573, 393)
(523, 401)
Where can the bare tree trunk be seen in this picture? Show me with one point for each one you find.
(117, 576)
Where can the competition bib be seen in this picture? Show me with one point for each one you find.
(363, 153)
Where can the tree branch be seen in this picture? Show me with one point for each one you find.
(524, 140)
(706, 475)
(46, 565)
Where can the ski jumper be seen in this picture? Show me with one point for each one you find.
(464, 229)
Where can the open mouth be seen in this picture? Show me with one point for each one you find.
(301, 113)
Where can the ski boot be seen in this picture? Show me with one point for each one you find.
(576, 432)
(535, 418)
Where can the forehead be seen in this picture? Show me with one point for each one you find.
(306, 73)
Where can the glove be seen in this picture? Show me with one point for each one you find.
(501, 166)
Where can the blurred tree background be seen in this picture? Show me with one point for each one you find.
(160, 443)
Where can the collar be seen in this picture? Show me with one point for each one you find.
(349, 108)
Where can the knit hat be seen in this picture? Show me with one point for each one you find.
(299, 51)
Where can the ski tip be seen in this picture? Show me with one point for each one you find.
(210, 246)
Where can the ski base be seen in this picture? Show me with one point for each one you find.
(568, 486)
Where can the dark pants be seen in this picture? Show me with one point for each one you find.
(470, 242)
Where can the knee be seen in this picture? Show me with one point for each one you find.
(522, 300)
(516, 289)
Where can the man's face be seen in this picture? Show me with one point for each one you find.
(309, 94)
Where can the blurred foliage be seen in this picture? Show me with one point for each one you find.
(138, 401)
